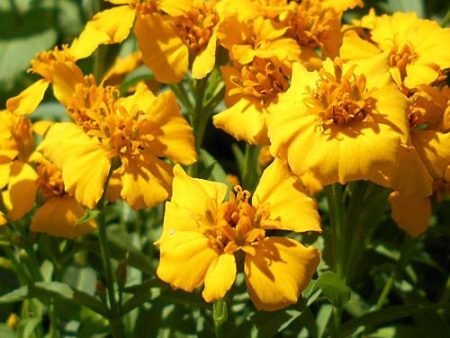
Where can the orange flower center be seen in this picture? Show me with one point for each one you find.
(97, 111)
(401, 56)
(310, 24)
(50, 180)
(196, 27)
(237, 224)
(21, 131)
(341, 99)
(262, 79)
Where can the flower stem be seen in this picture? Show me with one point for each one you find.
(220, 316)
(405, 255)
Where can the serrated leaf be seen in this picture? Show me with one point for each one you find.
(334, 288)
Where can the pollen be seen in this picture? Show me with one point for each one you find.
(50, 180)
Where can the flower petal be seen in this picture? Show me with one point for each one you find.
(204, 62)
(244, 121)
(29, 99)
(83, 161)
(280, 194)
(219, 278)
(185, 258)
(416, 222)
(109, 26)
(162, 50)
(145, 181)
(58, 217)
(20, 196)
(278, 271)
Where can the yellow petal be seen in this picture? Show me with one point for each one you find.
(20, 195)
(219, 278)
(29, 99)
(244, 121)
(65, 77)
(411, 213)
(167, 132)
(204, 62)
(83, 161)
(162, 50)
(5, 169)
(185, 259)
(41, 127)
(3, 220)
(58, 217)
(434, 150)
(123, 66)
(145, 181)
(280, 269)
(106, 27)
(280, 195)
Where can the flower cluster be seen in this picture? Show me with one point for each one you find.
(332, 103)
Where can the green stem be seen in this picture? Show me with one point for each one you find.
(114, 318)
(446, 20)
(338, 242)
(403, 261)
(220, 316)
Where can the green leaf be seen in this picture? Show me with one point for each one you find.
(7, 332)
(89, 215)
(28, 326)
(14, 296)
(44, 290)
(213, 168)
(386, 315)
(334, 288)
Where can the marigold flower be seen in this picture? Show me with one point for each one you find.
(51, 66)
(200, 240)
(59, 213)
(139, 130)
(169, 34)
(411, 50)
(334, 126)
(17, 178)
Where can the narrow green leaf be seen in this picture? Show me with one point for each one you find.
(14, 296)
(28, 326)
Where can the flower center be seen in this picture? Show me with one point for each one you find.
(196, 27)
(262, 79)
(341, 99)
(310, 24)
(401, 56)
(44, 61)
(237, 224)
(97, 110)
(23, 136)
(50, 180)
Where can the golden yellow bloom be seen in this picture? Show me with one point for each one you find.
(200, 241)
(411, 51)
(59, 213)
(250, 92)
(51, 66)
(429, 122)
(139, 130)
(17, 178)
(335, 127)
(170, 34)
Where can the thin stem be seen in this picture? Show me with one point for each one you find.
(405, 255)
(220, 316)
(336, 208)
(115, 320)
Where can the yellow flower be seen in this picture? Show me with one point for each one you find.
(59, 213)
(429, 122)
(334, 127)
(411, 50)
(200, 241)
(17, 178)
(169, 33)
(50, 66)
(251, 90)
(139, 130)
